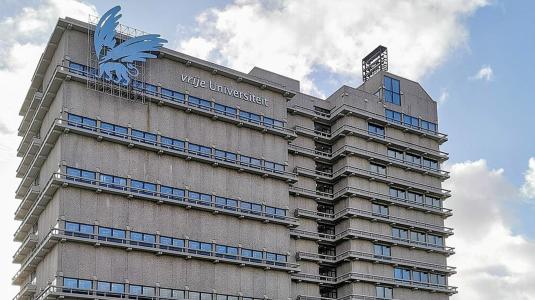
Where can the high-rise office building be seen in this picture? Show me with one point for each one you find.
(196, 181)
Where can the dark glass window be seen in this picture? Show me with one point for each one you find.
(429, 163)
(378, 169)
(393, 116)
(411, 121)
(392, 92)
(380, 209)
(383, 292)
(381, 250)
(172, 95)
(376, 130)
(395, 154)
(399, 233)
(397, 193)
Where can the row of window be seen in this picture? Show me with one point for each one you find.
(415, 197)
(170, 243)
(173, 193)
(175, 144)
(418, 237)
(115, 289)
(418, 276)
(413, 159)
(410, 121)
(192, 101)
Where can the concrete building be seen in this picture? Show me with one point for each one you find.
(201, 182)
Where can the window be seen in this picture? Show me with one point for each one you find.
(395, 154)
(200, 150)
(113, 181)
(198, 102)
(429, 126)
(418, 237)
(73, 283)
(199, 198)
(397, 193)
(383, 292)
(325, 208)
(412, 158)
(431, 164)
(250, 117)
(393, 116)
(251, 208)
(376, 130)
(432, 201)
(225, 110)
(144, 137)
(171, 243)
(324, 188)
(224, 155)
(413, 197)
(226, 251)
(402, 274)
(225, 203)
(83, 122)
(81, 175)
(435, 240)
(392, 92)
(172, 95)
(251, 255)
(172, 143)
(80, 230)
(172, 193)
(273, 123)
(378, 169)
(420, 276)
(411, 121)
(112, 129)
(142, 239)
(200, 247)
(324, 148)
(399, 233)
(321, 111)
(142, 290)
(77, 68)
(111, 234)
(381, 250)
(380, 209)
(322, 128)
(143, 187)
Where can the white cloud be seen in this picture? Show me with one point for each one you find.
(23, 39)
(485, 73)
(444, 95)
(528, 189)
(295, 37)
(492, 262)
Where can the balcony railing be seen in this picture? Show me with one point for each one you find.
(372, 236)
(350, 130)
(372, 257)
(388, 179)
(376, 279)
(355, 192)
(370, 215)
(59, 234)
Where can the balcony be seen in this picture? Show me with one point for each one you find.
(370, 236)
(370, 155)
(371, 257)
(27, 246)
(374, 217)
(366, 194)
(348, 130)
(389, 180)
(63, 126)
(375, 279)
(26, 292)
(347, 110)
(61, 235)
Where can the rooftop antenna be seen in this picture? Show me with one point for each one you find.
(374, 62)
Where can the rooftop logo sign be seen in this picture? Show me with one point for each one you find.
(116, 60)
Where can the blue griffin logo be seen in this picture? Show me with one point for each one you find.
(116, 60)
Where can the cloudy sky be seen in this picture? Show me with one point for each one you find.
(474, 57)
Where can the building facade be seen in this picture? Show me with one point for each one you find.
(201, 182)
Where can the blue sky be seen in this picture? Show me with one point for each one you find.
(441, 44)
(487, 119)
